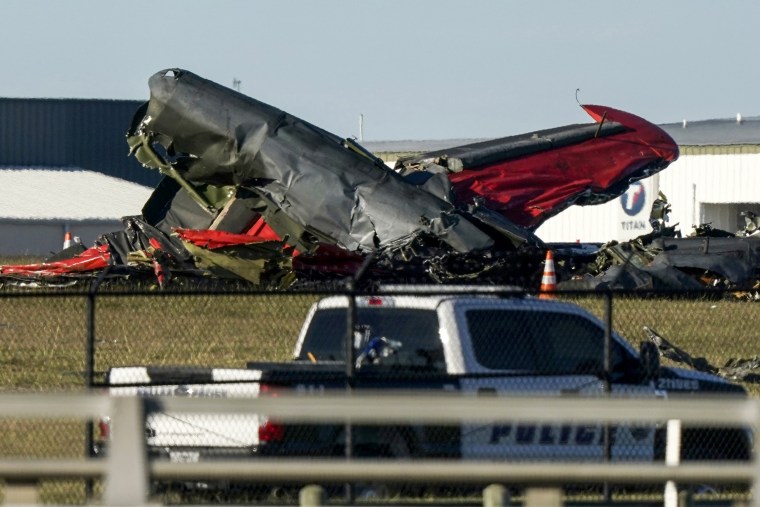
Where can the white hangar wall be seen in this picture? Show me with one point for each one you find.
(40, 205)
(620, 219)
(709, 184)
(713, 185)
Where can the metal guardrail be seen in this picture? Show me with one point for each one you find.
(127, 471)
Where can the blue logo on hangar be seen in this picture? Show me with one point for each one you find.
(633, 199)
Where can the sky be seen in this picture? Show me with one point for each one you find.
(413, 69)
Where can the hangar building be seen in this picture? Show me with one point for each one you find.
(64, 167)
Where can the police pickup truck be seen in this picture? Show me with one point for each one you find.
(480, 345)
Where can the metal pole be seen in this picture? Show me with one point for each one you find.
(312, 496)
(755, 502)
(350, 354)
(672, 459)
(350, 375)
(495, 495)
(89, 368)
(351, 327)
(607, 386)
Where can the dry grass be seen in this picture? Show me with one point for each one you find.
(45, 348)
(716, 329)
(222, 331)
(44, 344)
(45, 337)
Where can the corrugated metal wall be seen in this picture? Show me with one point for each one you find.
(707, 176)
(71, 132)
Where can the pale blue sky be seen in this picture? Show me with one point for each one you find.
(432, 69)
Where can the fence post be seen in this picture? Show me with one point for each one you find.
(672, 459)
(89, 368)
(756, 457)
(351, 284)
(350, 374)
(312, 496)
(607, 386)
(495, 495)
(90, 355)
(126, 481)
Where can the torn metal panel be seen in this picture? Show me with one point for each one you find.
(215, 136)
(170, 206)
(137, 236)
(632, 277)
(532, 177)
(258, 256)
(658, 216)
(248, 178)
(738, 369)
(742, 369)
(655, 261)
(263, 264)
(678, 355)
(736, 259)
(91, 260)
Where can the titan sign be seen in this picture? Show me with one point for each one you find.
(633, 199)
(632, 202)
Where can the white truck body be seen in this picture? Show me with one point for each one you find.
(456, 341)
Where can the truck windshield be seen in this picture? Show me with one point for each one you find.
(543, 342)
(416, 330)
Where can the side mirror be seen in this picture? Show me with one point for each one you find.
(649, 356)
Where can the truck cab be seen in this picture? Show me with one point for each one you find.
(487, 345)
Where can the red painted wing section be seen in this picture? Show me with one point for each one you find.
(529, 189)
(90, 260)
(212, 239)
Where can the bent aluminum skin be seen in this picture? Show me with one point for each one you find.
(337, 194)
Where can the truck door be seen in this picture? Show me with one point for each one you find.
(552, 355)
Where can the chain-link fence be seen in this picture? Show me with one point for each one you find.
(223, 343)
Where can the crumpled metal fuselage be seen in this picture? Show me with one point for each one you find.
(313, 187)
(336, 194)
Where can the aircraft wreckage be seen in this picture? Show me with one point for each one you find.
(662, 259)
(253, 193)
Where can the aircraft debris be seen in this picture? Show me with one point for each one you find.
(253, 193)
(739, 369)
(670, 351)
(662, 259)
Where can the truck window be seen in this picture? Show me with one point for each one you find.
(417, 330)
(543, 342)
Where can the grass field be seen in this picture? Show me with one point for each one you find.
(44, 344)
(45, 337)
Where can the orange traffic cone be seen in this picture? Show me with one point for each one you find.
(67, 241)
(549, 280)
